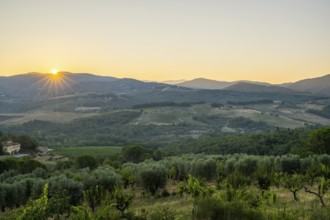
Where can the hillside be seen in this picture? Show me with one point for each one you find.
(38, 85)
(44, 106)
(319, 85)
(249, 87)
(202, 83)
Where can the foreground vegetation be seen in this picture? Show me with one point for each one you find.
(140, 183)
(205, 187)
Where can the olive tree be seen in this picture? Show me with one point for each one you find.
(294, 183)
(153, 177)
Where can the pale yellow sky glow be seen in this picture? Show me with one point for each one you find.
(273, 41)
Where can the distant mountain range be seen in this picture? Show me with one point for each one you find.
(174, 82)
(251, 87)
(63, 83)
(202, 83)
(48, 85)
(319, 85)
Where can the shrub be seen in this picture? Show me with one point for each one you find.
(104, 176)
(73, 188)
(85, 161)
(122, 200)
(204, 168)
(36, 209)
(289, 164)
(237, 180)
(153, 177)
(135, 154)
(247, 165)
(213, 209)
(162, 213)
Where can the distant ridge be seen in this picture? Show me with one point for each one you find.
(40, 84)
(202, 83)
(250, 87)
(319, 85)
(89, 77)
(174, 82)
(30, 84)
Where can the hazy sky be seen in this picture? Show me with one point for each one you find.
(264, 40)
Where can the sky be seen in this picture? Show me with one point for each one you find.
(262, 40)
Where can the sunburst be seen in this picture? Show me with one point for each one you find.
(54, 71)
(55, 84)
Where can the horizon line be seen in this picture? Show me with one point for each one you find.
(162, 81)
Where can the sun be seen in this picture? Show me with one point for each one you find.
(54, 83)
(54, 71)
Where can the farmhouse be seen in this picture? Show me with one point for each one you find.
(10, 147)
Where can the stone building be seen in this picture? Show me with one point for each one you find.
(11, 147)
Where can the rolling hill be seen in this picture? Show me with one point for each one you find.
(249, 87)
(32, 85)
(202, 83)
(44, 105)
(319, 85)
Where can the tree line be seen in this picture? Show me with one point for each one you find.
(303, 142)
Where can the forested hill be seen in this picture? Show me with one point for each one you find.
(278, 142)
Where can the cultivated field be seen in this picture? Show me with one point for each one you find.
(60, 117)
(266, 113)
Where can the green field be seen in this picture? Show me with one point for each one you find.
(59, 117)
(176, 115)
(95, 151)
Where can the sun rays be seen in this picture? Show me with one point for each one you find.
(55, 84)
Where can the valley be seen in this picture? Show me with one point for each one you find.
(106, 111)
(150, 147)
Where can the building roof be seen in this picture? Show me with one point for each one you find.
(9, 143)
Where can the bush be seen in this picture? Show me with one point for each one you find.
(289, 164)
(153, 177)
(246, 165)
(85, 161)
(204, 168)
(28, 165)
(104, 176)
(213, 208)
(237, 180)
(36, 209)
(73, 188)
(135, 154)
